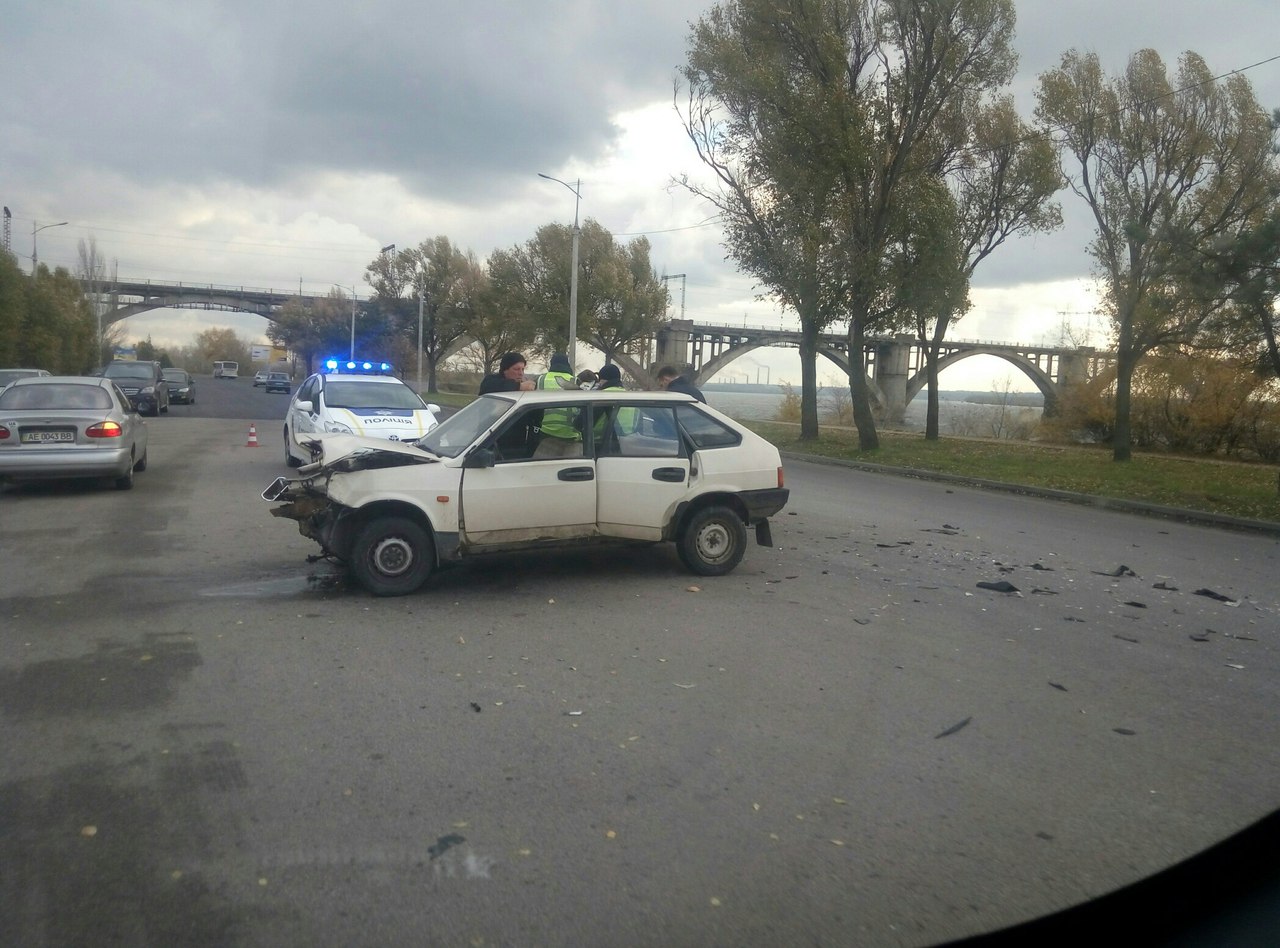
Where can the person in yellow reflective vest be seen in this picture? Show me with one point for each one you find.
(560, 435)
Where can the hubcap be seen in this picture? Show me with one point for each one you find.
(392, 556)
(713, 541)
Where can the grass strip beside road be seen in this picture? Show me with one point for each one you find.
(1233, 489)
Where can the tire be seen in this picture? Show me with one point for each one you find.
(289, 459)
(125, 481)
(141, 465)
(713, 542)
(392, 556)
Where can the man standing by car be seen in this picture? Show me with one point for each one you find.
(670, 379)
(509, 377)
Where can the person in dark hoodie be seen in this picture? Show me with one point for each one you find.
(509, 377)
(610, 377)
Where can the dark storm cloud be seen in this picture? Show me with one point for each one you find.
(450, 97)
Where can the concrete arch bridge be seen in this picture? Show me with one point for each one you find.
(894, 365)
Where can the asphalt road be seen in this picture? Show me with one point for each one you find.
(209, 741)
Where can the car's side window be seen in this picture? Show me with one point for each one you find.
(705, 431)
(635, 431)
(518, 438)
(308, 391)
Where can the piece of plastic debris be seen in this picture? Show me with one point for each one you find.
(1216, 596)
(88, 831)
(693, 589)
(1000, 586)
(574, 714)
(1234, 665)
(678, 685)
(955, 727)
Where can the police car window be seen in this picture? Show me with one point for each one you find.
(370, 394)
(308, 390)
(705, 431)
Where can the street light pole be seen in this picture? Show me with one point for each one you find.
(342, 286)
(422, 296)
(573, 275)
(35, 230)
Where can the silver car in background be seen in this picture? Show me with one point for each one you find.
(56, 427)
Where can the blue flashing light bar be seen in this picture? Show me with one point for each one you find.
(357, 366)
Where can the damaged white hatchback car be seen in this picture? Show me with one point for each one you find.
(517, 471)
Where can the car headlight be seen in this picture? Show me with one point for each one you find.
(148, 390)
(337, 427)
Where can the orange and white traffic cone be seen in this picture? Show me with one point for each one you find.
(253, 436)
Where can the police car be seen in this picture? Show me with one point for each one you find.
(640, 467)
(354, 398)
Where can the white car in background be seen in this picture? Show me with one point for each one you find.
(357, 399)
(644, 467)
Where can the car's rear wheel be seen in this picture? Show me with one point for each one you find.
(289, 459)
(125, 480)
(141, 464)
(713, 542)
(392, 556)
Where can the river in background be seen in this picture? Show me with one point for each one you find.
(959, 413)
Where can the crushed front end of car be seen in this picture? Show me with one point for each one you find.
(341, 478)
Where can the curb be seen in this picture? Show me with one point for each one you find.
(1181, 514)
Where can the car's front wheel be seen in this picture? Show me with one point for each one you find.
(713, 542)
(392, 556)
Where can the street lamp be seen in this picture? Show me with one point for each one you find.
(342, 286)
(573, 275)
(35, 230)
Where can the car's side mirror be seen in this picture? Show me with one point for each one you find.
(306, 406)
(433, 408)
(480, 457)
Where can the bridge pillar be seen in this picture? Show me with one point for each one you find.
(1073, 367)
(893, 369)
(673, 343)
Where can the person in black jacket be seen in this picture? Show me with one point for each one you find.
(670, 379)
(509, 377)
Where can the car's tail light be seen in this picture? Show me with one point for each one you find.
(780, 483)
(104, 429)
(4, 432)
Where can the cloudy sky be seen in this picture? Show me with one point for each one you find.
(282, 144)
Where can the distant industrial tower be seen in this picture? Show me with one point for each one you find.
(8, 218)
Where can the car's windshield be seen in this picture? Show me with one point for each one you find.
(175, 375)
(129, 370)
(55, 396)
(371, 394)
(460, 430)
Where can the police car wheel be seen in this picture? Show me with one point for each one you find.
(713, 541)
(391, 556)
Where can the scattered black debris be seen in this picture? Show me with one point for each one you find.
(1000, 586)
(791, 513)
(1243, 638)
(947, 526)
(886, 546)
(444, 843)
(1120, 570)
(1054, 684)
(955, 727)
(1125, 731)
(1164, 585)
(1041, 566)
(475, 707)
(1072, 619)
(1043, 835)
(1216, 596)
(945, 531)
(1136, 604)
(1199, 638)
(1125, 638)
(1044, 592)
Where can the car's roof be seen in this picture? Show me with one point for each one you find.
(62, 380)
(281, 374)
(358, 377)
(603, 395)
